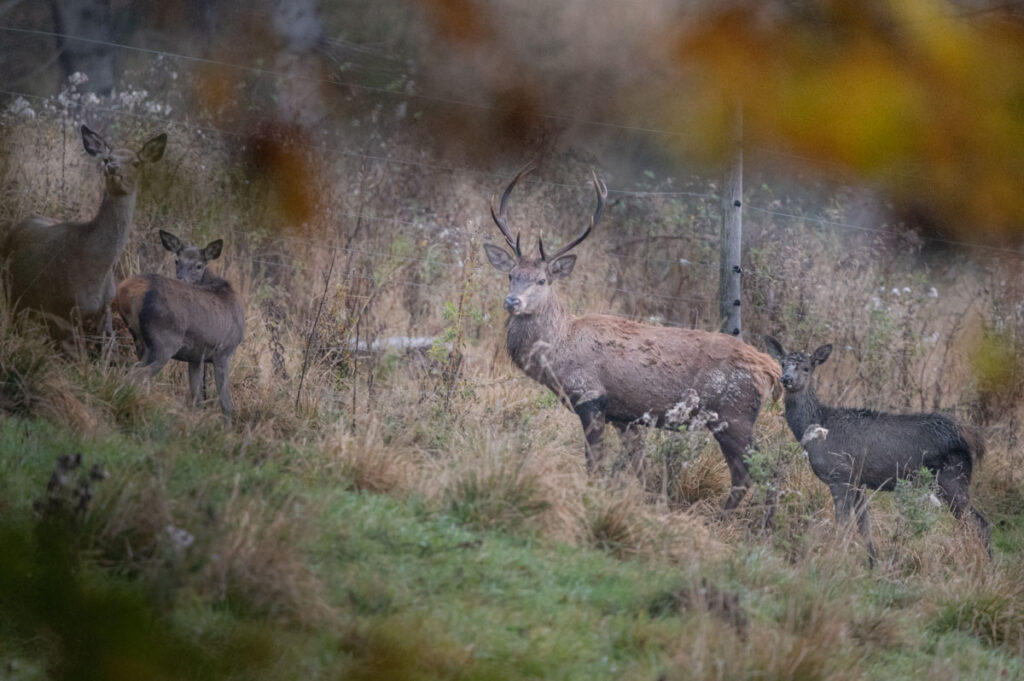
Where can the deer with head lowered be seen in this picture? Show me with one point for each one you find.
(611, 370)
(65, 269)
(853, 449)
(196, 317)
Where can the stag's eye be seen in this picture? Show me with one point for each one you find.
(542, 282)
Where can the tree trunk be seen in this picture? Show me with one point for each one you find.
(94, 20)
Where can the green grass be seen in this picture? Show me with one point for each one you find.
(377, 586)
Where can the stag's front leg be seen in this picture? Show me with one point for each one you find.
(632, 446)
(196, 374)
(592, 417)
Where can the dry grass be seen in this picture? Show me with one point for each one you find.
(488, 448)
(256, 561)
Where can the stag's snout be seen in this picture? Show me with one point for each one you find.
(787, 380)
(513, 304)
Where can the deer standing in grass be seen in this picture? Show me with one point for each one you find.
(65, 269)
(196, 318)
(852, 449)
(610, 370)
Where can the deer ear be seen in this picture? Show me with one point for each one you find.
(93, 143)
(170, 242)
(500, 258)
(212, 250)
(153, 150)
(821, 354)
(774, 347)
(562, 267)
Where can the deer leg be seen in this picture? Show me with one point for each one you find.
(196, 373)
(954, 488)
(632, 446)
(863, 513)
(734, 449)
(592, 417)
(220, 376)
(849, 504)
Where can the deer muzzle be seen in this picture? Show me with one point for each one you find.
(513, 304)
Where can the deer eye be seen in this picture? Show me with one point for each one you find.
(542, 282)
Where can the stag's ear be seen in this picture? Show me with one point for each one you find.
(821, 354)
(212, 250)
(94, 144)
(500, 258)
(170, 242)
(153, 150)
(562, 267)
(774, 347)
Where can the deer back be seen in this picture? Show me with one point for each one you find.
(203, 321)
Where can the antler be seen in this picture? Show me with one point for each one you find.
(501, 219)
(602, 193)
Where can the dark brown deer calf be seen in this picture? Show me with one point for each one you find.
(196, 318)
(615, 371)
(850, 449)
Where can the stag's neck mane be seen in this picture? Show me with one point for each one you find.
(529, 338)
(803, 409)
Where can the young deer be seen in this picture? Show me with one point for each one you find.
(195, 318)
(852, 449)
(64, 269)
(610, 370)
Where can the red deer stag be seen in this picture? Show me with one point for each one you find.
(64, 269)
(196, 318)
(613, 370)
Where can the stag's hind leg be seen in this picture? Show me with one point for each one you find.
(954, 487)
(735, 442)
(196, 376)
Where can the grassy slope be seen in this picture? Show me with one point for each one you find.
(414, 543)
(377, 586)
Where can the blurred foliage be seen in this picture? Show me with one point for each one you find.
(914, 94)
(91, 627)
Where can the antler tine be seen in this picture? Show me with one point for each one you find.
(602, 193)
(500, 217)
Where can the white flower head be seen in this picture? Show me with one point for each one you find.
(20, 107)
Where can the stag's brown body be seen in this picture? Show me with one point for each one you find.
(644, 372)
(615, 371)
(64, 269)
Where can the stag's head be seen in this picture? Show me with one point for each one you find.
(190, 261)
(530, 279)
(122, 167)
(797, 367)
